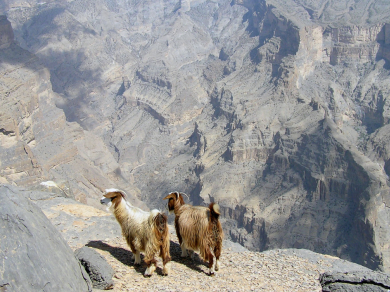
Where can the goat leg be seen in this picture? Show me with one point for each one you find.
(137, 258)
(217, 252)
(166, 269)
(183, 250)
(211, 261)
(166, 260)
(192, 254)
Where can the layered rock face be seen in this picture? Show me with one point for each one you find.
(37, 143)
(278, 110)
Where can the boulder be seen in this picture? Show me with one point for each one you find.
(361, 281)
(99, 271)
(34, 255)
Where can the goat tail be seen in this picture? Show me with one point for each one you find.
(162, 235)
(215, 224)
(160, 221)
(214, 211)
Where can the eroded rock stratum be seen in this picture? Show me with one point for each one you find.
(278, 110)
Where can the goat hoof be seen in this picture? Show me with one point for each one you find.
(147, 274)
(212, 274)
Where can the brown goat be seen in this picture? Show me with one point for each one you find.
(143, 231)
(197, 228)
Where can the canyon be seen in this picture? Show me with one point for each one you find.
(277, 110)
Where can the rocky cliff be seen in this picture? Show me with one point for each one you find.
(38, 144)
(278, 110)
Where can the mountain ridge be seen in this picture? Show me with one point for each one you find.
(278, 114)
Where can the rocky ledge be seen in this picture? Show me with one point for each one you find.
(241, 270)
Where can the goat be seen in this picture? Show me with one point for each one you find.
(144, 231)
(197, 228)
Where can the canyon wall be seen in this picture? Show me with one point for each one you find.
(38, 144)
(277, 110)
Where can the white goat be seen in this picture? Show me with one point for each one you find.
(144, 231)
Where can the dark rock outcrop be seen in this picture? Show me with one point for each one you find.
(35, 257)
(6, 32)
(355, 282)
(99, 271)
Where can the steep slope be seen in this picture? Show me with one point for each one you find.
(37, 143)
(278, 110)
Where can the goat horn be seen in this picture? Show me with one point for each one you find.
(185, 195)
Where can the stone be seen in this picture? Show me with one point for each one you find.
(35, 256)
(99, 271)
(355, 281)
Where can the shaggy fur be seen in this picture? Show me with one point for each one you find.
(145, 232)
(197, 228)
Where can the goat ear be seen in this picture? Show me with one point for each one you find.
(181, 199)
(114, 193)
(171, 195)
(110, 195)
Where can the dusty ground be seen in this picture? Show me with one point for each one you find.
(239, 271)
